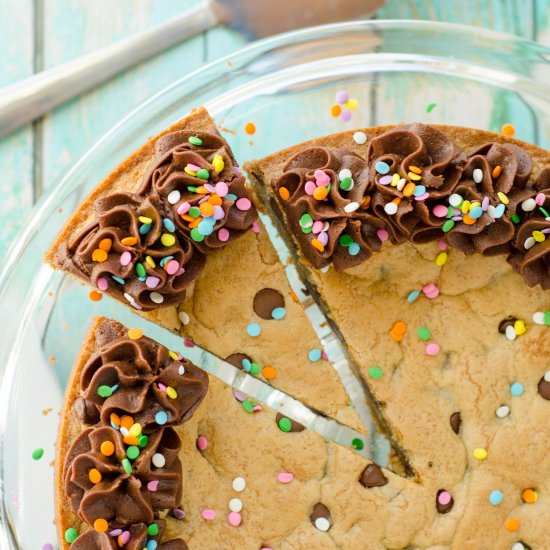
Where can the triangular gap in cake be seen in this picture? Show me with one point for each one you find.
(227, 294)
(421, 321)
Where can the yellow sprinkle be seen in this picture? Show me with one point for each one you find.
(480, 454)
(171, 392)
(414, 177)
(167, 239)
(441, 258)
(218, 163)
(189, 171)
(473, 204)
(150, 261)
(145, 220)
(395, 179)
(351, 104)
(415, 169)
(135, 333)
(173, 355)
(465, 207)
(539, 236)
(519, 327)
(135, 429)
(503, 198)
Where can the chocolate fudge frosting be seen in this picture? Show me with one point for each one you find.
(414, 184)
(148, 247)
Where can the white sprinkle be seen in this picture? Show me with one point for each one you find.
(455, 200)
(351, 207)
(322, 524)
(491, 211)
(156, 297)
(324, 269)
(181, 370)
(529, 205)
(477, 175)
(174, 196)
(503, 411)
(184, 318)
(529, 243)
(510, 333)
(547, 376)
(158, 460)
(390, 208)
(360, 138)
(239, 484)
(235, 505)
(538, 317)
(129, 298)
(401, 184)
(124, 431)
(518, 546)
(344, 173)
(326, 226)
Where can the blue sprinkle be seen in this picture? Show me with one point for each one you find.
(517, 389)
(499, 211)
(413, 296)
(169, 225)
(278, 313)
(231, 197)
(247, 365)
(382, 167)
(253, 329)
(165, 260)
(114, 388)
(115, 426)
(161, 418)
(314, 355)
(476, 212)
(144, 229)
(206, 227)
(151, 545)
(142, 279)
(354, 249)
(495, 498)
(118, 279)
(419, 190)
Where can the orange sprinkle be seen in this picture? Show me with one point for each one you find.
(284, 193)
(94, 475)
(529, 496)
(508, 129)
(130, 440)
(320, 193)
(467, 220)
(115, 419)
(206, 209)
(201, 190)
(188, 218)
(107, 448)
(397, 200)
(398, 330)
(195, 222)
(99, 255)
(496, 171)
(215, 200)
(269, 373)
(250, 128)
(95, 296)
(135, 333)
(512, 524)
(105, 244)
(101, 525)
(294, 297)
(316, 243)
(336, 110)
(129, 241)
(126, 422)
(415, 170)
(365, 203)
(408, 190)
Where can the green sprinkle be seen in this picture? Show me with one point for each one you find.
(544, 212)
(430, 107)
(358, 444)
(346, 240)
(547, 318)
(376, 372)
(424, 333)
(71, 535)
(37, 454)
(285, 425)
(104, 391)
(196, 235)
(255, 369)
(515, 218)
(195, 140)
(194, 212)
(140, 270)
(306, 220)
(248, 406)
(132, 452)
(126, 465)
(191, 188)
(307, 230)
(448, 225)
(203, 174)
(153, 530)
(143, 440)
(346, 184)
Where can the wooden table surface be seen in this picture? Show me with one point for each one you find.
(40, 34)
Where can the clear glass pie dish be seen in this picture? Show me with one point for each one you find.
(396, 70)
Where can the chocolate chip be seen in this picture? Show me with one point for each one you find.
(456, 422)
(86, 411)
(373, 476)
(444, 501)
(266, 300)
(236, 359)
(544, 388)
(505, 323)
(287, 424)
(320, 517)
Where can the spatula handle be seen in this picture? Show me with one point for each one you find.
(31, 98)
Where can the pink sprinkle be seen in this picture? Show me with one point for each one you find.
(539, 199)
(341, 97)
(208, 514)
(444, 498)
(210, 187)
(432, 349)
(309, 187)
(385, 180)
(442, 244)
(431, 291)
(183, 208)
(202, 443)
(152, 282)
(285, 477)
(422, 197)
(323, 238)
(440, 211)
(345, 115)
(219, 213)
(324, 356)
(115, 533)
(238, 395)
(162, 387)
(102, 284)
(243, 204)
(223, 235)
(485, 203)
(47, 546)
(317, 227)
(546, 231)
(172, 267)
(234, 519)
(321, 178)
(125, 258)
(266, 548)
(255, 226)
(257, 408)
(222, 189)
(153, 485)
(383, 235)
(188, 343)
(178, 513)
(125, 537)
(180, 271)
(193, 167)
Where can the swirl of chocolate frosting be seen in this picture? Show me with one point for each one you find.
(127, 492)
(145, 263)
(141, 371)
(139, 537)
(196, 178)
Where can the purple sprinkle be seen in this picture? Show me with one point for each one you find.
(546, 231)
(485, 203)
(346, 115)
(342, 97)
(385, 180)
(457, 218)
(47, 546)
(210, 187)
(115, 532)
(219, 214)
(178, 513)
(152, 282)
(323, 238)
(238, 395)
(203, 199)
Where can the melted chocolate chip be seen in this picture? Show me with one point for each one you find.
(544, 389)
(294, 426)
(373, 476)
(505, 323)
(320, 517)
(456, 422)
(86, 411)
(444, 501)
(236, 359)
(266, 300)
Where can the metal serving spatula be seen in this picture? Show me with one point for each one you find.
(27, 100)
